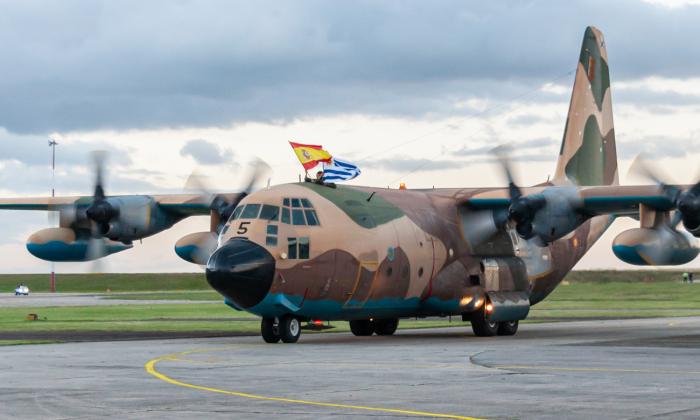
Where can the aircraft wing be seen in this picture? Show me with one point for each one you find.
(40, 203)
(180, 204)
(185, 204)
(615, 199)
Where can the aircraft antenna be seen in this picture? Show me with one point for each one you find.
(52, 144)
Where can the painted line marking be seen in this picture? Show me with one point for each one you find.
(150, 367)
(594, 369)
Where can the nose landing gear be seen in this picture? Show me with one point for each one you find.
(286, 328)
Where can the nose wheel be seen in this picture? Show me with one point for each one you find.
(286, 328)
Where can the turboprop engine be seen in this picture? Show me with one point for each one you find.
(544, 216)
(61, 244)
(655, 246)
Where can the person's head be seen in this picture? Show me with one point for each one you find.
(319, 175)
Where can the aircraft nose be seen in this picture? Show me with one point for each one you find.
(242, 271)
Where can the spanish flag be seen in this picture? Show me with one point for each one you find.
(310, 155)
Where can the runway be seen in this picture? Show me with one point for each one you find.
(595, 369)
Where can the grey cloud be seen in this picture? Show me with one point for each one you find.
(658, 147)
(407, 164)
(516, 149)
(77, 180)
(81, 65)
(206, 153)
(527, 119)
(34, 150)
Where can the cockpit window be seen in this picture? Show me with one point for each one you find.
(237, 213)
(298, 248)
(251, 211)
(298, 217)
(311, 218)
(270, 213)
(301, 211)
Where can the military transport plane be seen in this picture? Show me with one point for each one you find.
(306, 251)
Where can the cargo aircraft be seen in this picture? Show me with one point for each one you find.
(306, 251)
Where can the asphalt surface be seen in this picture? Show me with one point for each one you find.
(9, 300)
(596, 369)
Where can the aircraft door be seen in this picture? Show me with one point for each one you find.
(364, 275)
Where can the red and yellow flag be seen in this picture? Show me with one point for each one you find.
(310, 155)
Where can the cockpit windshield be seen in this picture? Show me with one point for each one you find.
(295, 211)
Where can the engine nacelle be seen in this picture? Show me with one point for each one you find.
(197, 247)
(558, 217)
(61, 244)
(658, 246)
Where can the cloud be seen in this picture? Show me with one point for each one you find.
(659, 147)
(515, 149)
(207, 153)
(85, 65)
(407, 164)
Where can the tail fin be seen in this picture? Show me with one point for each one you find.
(588, 154)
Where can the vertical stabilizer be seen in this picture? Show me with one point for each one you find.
(588, 154)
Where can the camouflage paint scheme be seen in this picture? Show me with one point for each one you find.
(396, 253)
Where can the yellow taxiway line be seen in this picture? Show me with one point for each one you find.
(150, 367)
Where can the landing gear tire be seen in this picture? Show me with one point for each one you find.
(482, 326)
(269, 329)
(507, 328)
(290, 329)
(385, 326)
(362, 327)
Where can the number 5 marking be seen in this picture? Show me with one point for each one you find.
(242, 228)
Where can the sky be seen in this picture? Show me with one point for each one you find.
(414, 92)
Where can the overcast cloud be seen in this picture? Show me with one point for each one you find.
(207, 153)
(82, 65)
(412, 91)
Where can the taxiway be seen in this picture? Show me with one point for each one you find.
(594, 369)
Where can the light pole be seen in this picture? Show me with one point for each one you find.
(52, 145)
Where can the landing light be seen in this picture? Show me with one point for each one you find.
(488, 308)
(402, 186)
(466, 301)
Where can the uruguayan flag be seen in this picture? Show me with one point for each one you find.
(339, 170)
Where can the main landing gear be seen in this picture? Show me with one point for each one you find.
(286, 328)
(484, 327)
(367, 327)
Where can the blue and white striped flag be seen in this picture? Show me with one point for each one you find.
(339, 170)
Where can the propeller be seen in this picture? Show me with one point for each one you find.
(100, 212)
(222, 205)
(687, 203)
(522, 209)
(525, 211)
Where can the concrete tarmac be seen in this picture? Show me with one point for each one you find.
(629, 369)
